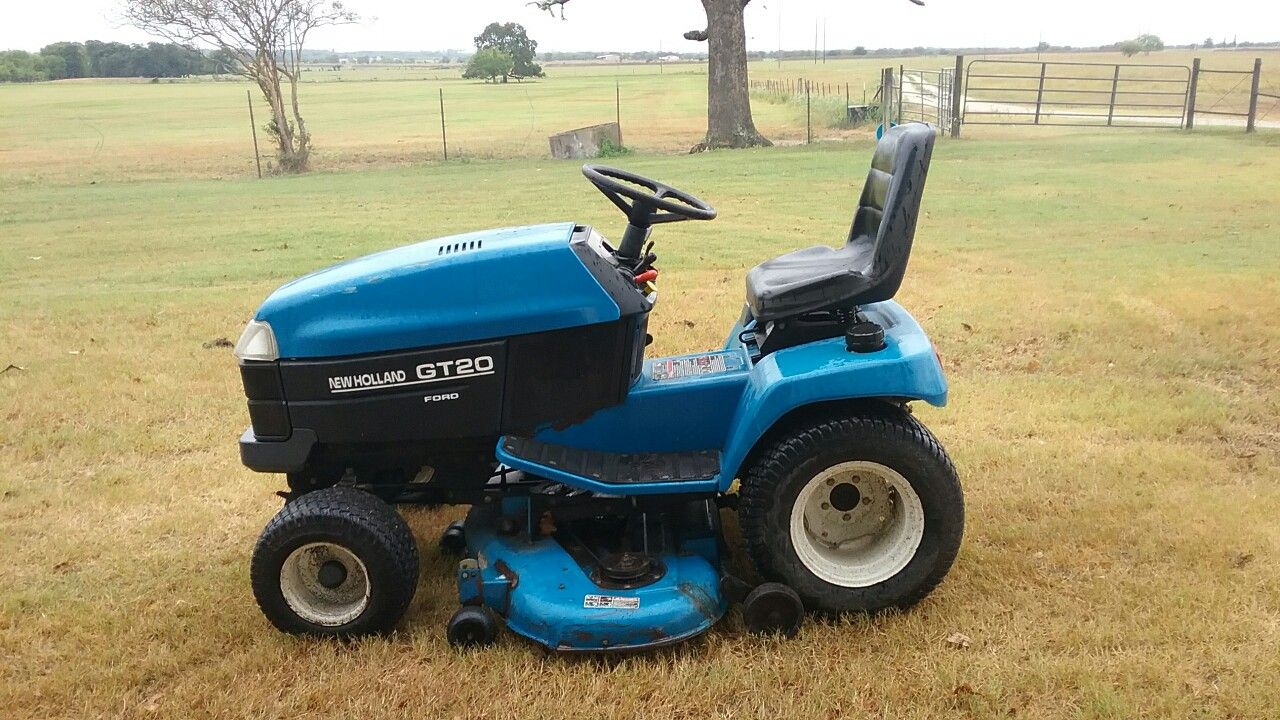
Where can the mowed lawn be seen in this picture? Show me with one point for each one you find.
(1107, 307)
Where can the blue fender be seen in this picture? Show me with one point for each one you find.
(824, 371)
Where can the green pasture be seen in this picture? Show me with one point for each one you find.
(1107, 307)
(375, 116)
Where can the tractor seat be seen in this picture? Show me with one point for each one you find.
(870, 266)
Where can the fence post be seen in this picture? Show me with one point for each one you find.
(253, 125)
(1040, 93)
(957, 87)
(1250, 126)
(921, 88)
(444, 136)
(1191, 93)
(939, 96)
(808, 114)
(886, 97)
(901, 81)
(617, 107)
(1115, 84)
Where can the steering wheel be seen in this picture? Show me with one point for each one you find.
(647, 196)
(652, 203)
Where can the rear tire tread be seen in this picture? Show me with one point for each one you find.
(765, 480)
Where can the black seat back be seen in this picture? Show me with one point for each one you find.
(885, 222)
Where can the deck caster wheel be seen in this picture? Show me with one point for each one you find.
(773, 609)
(453, 541)
(472, 626)
(335, 562)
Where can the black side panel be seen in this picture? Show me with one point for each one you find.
(563, 376)
(447, 392)
(261, 380)
(267, 411)
(591, 249)
(270, 419)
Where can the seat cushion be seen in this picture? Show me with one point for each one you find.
(810, 278)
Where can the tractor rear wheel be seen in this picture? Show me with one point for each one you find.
(858, 513)
(335, 562)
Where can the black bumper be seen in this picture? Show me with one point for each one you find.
(277, 456)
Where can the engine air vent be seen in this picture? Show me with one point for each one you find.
(451, 248)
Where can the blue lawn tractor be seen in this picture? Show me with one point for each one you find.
(440, 373)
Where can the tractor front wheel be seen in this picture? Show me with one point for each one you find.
(857, 513)
(336, 562)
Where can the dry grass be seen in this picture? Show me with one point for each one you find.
(1108, 318)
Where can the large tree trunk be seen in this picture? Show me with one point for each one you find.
(729, 123)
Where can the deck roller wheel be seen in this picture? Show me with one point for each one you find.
(453, 541)
(773, 609)
(472, 626)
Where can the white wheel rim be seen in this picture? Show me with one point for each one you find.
(307, 583)
(863, 543)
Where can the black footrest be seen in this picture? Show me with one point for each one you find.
(618, 468)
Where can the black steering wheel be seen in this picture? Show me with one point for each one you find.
(652, 203)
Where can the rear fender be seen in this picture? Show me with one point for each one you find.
(808, 376)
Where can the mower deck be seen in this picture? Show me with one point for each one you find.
(557, 589)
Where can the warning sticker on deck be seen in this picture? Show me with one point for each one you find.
(611, 602)
(695, 365)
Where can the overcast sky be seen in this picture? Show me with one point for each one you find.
(654, 24)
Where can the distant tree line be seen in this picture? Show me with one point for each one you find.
(94, 58)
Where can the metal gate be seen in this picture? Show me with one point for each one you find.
(1027, 92)
(925, 95)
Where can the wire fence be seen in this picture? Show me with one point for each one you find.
(826, 104)
(185, 129)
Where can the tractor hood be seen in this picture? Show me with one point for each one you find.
(477, 286)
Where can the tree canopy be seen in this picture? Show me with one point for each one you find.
(95, 58)
(1146, 43)
(262, 40)
(511, 38)
(489, 64)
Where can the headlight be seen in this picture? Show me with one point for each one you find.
(257, 342)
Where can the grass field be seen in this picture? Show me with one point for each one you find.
(1109, 319)
(93, 131)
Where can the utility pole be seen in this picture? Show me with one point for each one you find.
(824, 41)
(779, 34)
